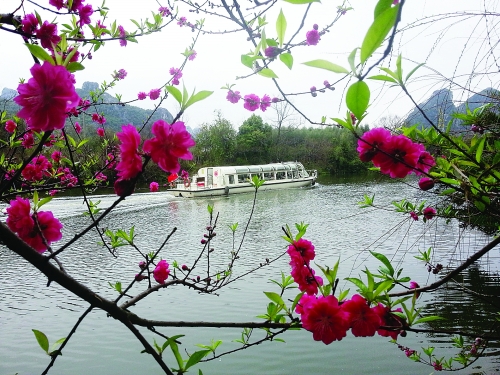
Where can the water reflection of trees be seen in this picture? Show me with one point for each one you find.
(471, 305)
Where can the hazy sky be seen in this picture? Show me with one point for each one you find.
(454, 46)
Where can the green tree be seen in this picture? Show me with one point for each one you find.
(215, 143)
(254, 141)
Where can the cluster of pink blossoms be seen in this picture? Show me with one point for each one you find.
(395, 155)
(177, 74)
(47, 97)
(251, 102)
(37, 169)
(326, 317)
(171, 142)
(30, 227)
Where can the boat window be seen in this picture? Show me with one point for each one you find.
(280, 175)
(231, 179)
(268, 176)
(295, 174)
(243, 177)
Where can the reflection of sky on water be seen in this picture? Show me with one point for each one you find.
(338, 228)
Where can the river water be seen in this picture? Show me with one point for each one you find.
(337, 227)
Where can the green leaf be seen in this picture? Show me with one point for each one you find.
(377, 32)
(383, 78)
(175, 350)
(248, 60)
(198, 97)
(449, 181)
(268, 73)
(287, 59)
(176, 93)
(327, 65)
(381, 7)
(413, 71)
(384, 260)
(185, 96)
(74, 66)
(40, 53)
(281, 27)
(196, 357)
(275, 297)
(357, 282)
(302, 1)
(480, 148)
(357, 98)
(43, 341)
(351, 59)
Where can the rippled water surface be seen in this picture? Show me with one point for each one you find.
(337, 227)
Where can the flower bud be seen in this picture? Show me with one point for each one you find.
(139, 277)
(315, 26)
(203, 241)
(185, 268)
(142, 265)
(426, 183)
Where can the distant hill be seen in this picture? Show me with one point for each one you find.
(116, 114)
(439, 108)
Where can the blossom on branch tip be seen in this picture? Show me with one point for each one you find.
(153, 187)
(429, 213)
(100, 119)
(192, 55)
(28, 140)
(426, 183)
(57, 3)
(364, 321)
(182, 21)
(171, 142)
(10, 126)
(130, 164)
(30, 23)
(78, 128)
(31, 228)
(47, 97)
(312, 37)
(85, 12)
(252, 102)
(100, 132)
(154, 94)
(265, 103)
(47, 33)
(161, 271)
(325, 319)
(272, 51)
(164, 11)
(414, 215)
(233, 96)
(123, 34)
(120, 74)
(142, 95)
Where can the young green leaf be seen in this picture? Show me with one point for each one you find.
(287, 59)
(196, 357)
(357, 98)
(40, 53)
(42, 340)
(377, 32)
(327, 65)
(281, 27)
(175, 92)
(268, 73)
(198, 97)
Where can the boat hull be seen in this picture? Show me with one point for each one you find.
(195, 191)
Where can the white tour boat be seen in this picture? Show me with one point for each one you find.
(212, 181)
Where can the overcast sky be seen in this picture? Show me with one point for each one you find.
(453, 47)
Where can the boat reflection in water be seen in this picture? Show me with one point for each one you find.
(213, 181)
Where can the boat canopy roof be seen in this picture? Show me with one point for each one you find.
(286, 166)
